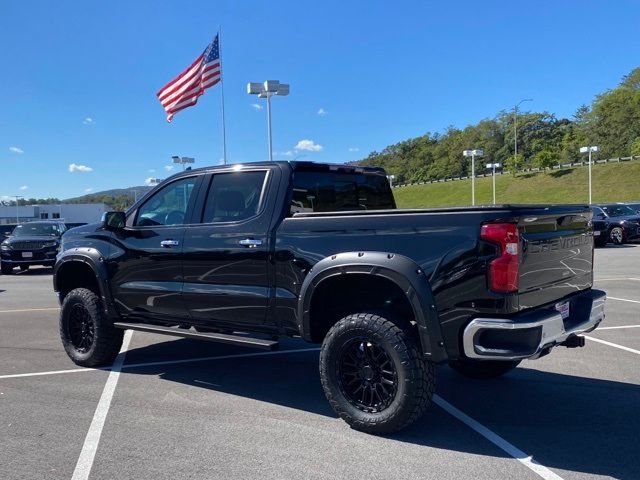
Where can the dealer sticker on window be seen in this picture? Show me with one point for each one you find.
(563, 308)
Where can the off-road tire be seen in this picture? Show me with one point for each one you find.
(106, 341)
(415, 375)
(483, 369)
(6, 269)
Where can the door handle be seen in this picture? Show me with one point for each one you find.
(169, 243)
(250, 242)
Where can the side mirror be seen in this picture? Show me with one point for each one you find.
(114, 220)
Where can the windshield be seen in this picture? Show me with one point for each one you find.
(38, 229)
(619, 210)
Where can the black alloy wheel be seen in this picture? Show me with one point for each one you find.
(367, 375)
(81, 329)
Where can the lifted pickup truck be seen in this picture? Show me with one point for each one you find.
(243, 254)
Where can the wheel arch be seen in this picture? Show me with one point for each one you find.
(347, 271)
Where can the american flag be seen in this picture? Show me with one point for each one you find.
(184, 90)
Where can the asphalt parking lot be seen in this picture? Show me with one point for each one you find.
(189, 409)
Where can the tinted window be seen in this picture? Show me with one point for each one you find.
(334, 192)
(168, 206)
(618, 210)
(233, 196)
(36, 229)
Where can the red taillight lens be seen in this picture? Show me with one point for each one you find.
(504, 270)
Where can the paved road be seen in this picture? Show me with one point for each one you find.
(242, 415)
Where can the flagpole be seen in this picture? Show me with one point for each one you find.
(224, 129)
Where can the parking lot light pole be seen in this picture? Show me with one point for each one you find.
(183, 160)
(17, 208)
(473, 154)
(593, 148)
(493, 167)
(266, 90)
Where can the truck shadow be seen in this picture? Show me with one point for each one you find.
(566, 422)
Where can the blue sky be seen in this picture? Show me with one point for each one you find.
(79, 78)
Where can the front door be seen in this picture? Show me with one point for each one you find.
(146, 262)
(226, 280)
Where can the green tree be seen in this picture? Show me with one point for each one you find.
(546, 158)
(514, 163)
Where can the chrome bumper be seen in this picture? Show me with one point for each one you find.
(529, 335)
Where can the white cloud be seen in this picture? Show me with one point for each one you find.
(16, 150)
(308, 145)
(79, 168)
(88, 190)
(257, 106)
(88, 121)
(354, 149)
(23, 187)
(168, 168)
(322, 112)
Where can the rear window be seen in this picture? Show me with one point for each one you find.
(335, 192)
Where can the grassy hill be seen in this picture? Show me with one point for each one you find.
(612, 182)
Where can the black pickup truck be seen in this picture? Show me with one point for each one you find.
(244, 254)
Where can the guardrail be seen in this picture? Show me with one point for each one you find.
(524, 170)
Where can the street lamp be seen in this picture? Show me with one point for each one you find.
(473, 154)
(391, 178)
(266, 90)
(183, 160)
(515, 125)
(593, 148)
(17, 209)
(493, 166)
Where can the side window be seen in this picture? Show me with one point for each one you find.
(168, 206)
(234, 196)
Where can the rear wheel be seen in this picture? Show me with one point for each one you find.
(6, 269)
(374, 375)
(483, 369)
(87, 335)
(616, 235)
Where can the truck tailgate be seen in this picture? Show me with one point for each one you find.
(557, 255)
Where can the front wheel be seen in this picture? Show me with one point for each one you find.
(483, 369)
(616, 235)
(87, 335)
(374, 375)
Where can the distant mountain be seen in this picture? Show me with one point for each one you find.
(116, 198)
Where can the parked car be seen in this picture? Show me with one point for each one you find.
(320, 252)
(622, 222)
(32, 243)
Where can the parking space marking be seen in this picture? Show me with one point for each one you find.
(162, 362)
(614, 345)
(616, 279)
(618, 327)
(497, 440)
(25, 310)
(622, 299)
(88, 453)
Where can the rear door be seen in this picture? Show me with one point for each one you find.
(147, 261)
(557, 254)
(226, 256)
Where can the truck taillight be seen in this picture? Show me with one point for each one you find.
(504, 270)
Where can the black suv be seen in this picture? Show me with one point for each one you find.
(33, 243)
(622, 223)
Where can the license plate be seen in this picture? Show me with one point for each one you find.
(596, 233)
(563, 308)
(27, 254)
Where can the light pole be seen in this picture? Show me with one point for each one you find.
(391, 178)
(473, 154)
(17, 209)
(267, 90)
(515, 125)
(493, 167)
(593, 148)
(183, 160)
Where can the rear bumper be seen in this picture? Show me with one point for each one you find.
(532, 334)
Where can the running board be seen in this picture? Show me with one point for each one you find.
(211, 337)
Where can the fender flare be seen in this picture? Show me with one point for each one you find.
(401, 270)
(96, 262)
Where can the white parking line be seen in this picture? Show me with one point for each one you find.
(497, 440)
(91, 441)
(618, 328)
(154, 364)
(614, 345)
(622, 299)
(24, 310)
